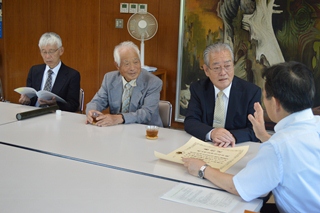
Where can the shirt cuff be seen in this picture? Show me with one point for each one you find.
(208, 136)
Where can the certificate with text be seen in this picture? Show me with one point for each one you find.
(214, 156)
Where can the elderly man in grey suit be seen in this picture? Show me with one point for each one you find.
(131, 93)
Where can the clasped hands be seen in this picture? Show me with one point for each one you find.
(103, 119)
(222, 137)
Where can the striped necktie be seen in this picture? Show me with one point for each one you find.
(126, 97)
(219, 119)
(48, 84)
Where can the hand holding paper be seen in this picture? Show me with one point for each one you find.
(216, 157)
(42, 94)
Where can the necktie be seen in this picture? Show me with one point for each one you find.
(219, 111)
(48, 84)
(126, 98)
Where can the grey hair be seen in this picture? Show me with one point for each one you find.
(50, 38)
(125, 44)
(214, 48)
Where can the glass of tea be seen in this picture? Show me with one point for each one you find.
(94, 117)
(152, 132)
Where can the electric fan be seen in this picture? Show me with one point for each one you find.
(143, 26)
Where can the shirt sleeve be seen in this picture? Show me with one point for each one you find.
(261, 175)
(208, 136)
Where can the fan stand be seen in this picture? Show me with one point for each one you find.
(143, 66)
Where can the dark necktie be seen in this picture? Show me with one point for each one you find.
(48, 84)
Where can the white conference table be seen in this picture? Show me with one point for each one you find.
(122, 147)
(36, 182)
(8, 111)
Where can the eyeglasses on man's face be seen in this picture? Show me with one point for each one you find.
(218, 68)
(50, 52)
(128, 64)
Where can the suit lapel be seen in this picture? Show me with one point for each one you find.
(210, 101)
(115, 94)
(234, 99)
(60, 80)
(137, 92)
(39, 77)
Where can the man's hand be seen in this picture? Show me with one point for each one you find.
(222, 137)
(104, 119)
(90, 116)
(193, 165)
(47, 102)
(257, 120)
(24, 100)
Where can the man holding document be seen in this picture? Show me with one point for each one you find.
(288, 161)
(53, 76)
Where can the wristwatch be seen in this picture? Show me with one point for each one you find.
(201, 171)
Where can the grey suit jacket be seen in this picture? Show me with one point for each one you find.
(144, 104)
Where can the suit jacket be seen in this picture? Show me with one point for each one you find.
(144, 104)
(199, 117)
(66, 85)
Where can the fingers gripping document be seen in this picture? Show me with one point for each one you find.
(216, 157)
(43, 94)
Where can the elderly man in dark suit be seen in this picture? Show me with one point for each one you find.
(237, 100)
(140, 104)
(64, 81)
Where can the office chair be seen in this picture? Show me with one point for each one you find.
(81, 100)
(165, 111)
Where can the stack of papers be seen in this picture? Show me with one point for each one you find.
(212, 199)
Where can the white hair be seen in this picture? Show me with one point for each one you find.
(125, 44)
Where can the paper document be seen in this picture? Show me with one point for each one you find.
(216, 157)
(43, 94)
(202, 197)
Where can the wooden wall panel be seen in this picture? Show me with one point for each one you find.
(88, 32)
(23, 24)
(169, 13)
(78, 24)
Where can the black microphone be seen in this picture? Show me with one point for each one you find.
(37, 112)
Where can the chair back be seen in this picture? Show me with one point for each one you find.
(1, 92)
(81, 100)
(165, 111)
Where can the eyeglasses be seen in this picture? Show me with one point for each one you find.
(218, 69)
(127, 64)
(50, 52)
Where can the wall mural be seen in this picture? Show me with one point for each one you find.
(261, 33)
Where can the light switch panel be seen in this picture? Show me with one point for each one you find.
(119, 23)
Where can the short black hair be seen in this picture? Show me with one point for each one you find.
(292, 84)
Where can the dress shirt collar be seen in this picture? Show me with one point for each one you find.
(293, 118)
(55, 69)
(226, 91)
(133, 83)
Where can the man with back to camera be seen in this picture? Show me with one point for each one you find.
(237, 98)
(288, 161)
(64, 81)
(131, 93)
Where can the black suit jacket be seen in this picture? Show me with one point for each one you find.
(66, 85)
(199, 117)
